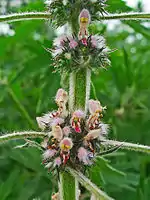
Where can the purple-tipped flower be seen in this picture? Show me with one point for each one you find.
(84, 16)
(84, 156)
(49, 153)
(84, 20)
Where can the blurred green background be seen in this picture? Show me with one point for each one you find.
(28, 87)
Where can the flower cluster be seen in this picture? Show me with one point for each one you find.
(73, 53)
(61, 11)
(72, 138)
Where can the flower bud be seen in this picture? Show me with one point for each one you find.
(57, 132)
(66, 130)
(84, 17)
(84, 20)
(61, 96)
(93, 134)
(95, 106)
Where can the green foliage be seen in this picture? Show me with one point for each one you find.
(26, 70)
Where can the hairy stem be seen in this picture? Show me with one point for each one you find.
(128, 146)
(21, 135)
(126, 16)
(68, 186)
(89, 185)
(24, 16)
(79, 89)
(45, 15)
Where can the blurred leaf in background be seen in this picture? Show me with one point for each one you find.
(27, 89)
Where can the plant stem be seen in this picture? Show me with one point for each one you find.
(21, 135)
(45, 15)
(79, 92)
(68, 186)
(79, 89)
(24, 16)
(128, 146)
(126, 16)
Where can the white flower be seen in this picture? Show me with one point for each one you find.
(84, 156)
(49, 153)
(44, 120)
(98, 41)
(93, 134)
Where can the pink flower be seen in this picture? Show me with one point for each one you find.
(73, 44)
(66, 130)
(84, 16)
(57, 161)
(57, 132)
(84, 156)
(84, 20)
(49, 153)
(57, 121)
(94, 106)
(76, 120)
(79, 114)
(84, 41)
(61, 96)
(66, 144)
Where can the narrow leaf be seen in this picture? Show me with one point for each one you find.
(21, 135)
(89, 185)
(128, 146)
